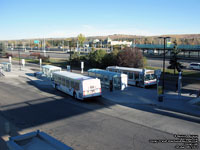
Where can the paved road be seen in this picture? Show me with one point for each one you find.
(81, 125)
(51, 54)
(154, 62)
(158, 62)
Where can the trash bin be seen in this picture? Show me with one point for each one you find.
(198, 93)
(160, 98)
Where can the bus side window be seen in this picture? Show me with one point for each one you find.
(72, 84)
(136, 76)
(92, 74)
(130, 75)
(63, 81)
(67, 83)
(59, 80)
(76, 86)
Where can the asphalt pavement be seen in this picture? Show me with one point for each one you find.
(93, 124)
(82, 126)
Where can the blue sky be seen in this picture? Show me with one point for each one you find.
(65, 18)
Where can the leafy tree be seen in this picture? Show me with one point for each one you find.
(130, 57)
(174, 64)
(96, 58)
(81, 39)
(110, 59)
(2, 49)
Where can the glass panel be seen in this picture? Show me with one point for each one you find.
(67, 83)
(72, 84)
(76, 86)
(63, 81)
(92, 74)
(59, 80)
(150, 77)
(130, 75)
(136, 76)
(117, 83)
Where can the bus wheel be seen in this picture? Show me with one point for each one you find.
(137, 84)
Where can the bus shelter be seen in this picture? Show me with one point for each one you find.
(6, 66)
(112, 80)
(48, 70)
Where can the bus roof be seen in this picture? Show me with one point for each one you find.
(129, 69)
(72, 75)
(50, 67)
(105, 72)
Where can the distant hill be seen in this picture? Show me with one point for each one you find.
(124, 36)
(191, 39)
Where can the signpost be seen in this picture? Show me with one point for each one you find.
(23, 63)
(40, 63)
(159, 88)
(179, 83)
(10, 59)
(36, 41)
(82, 66)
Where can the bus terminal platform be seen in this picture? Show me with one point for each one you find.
(132, 96)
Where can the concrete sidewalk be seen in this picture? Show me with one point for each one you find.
(139, 96)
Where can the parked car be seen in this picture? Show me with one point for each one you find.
(195, 66)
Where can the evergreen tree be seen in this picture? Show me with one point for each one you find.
(174, 64)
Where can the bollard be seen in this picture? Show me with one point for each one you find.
(198, 93)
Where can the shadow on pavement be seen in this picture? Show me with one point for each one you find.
(166, 112)
(41, 111)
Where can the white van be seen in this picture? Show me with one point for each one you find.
(195, 66)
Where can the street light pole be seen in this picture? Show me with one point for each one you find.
(19, 58)
(163, 76)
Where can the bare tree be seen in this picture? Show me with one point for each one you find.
(130, 57)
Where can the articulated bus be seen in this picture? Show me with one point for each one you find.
(76, 85)
(136, 76)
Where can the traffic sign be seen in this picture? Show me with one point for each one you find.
(36, 41)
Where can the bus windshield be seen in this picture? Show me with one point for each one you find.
(149, 77)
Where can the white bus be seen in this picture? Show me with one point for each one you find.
(136, 76)
(118, 81)
(76, 85)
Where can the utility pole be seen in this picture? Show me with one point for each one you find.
(63, 45)
(19, 58)
(44, 48)
(163, 75)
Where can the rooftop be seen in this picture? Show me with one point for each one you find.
(104, 72)
(72, 75)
